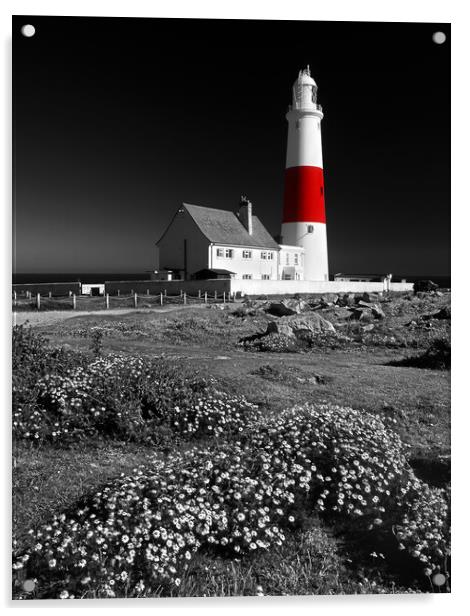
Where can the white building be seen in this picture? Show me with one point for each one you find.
(208, 242)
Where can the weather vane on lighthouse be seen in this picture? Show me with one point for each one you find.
(304, 221)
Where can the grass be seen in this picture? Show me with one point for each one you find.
(415, 401)
(48, 480)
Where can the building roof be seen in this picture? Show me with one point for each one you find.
(207, 273)
(224, 227)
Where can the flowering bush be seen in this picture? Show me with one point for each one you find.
(139, 532)
(129, 398)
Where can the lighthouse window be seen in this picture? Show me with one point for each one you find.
(247, 276)
(228, 253)
(220, 252)
(270, 256)
(309, 228)
(247, 254)
(264, 255)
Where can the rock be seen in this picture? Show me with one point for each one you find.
(300, 324)
(443, 313)
(368, 328)
(360, 314)
(377, 312)
(424, 286)
(364, 304)
(347, 299)
(329, 298)
(341, 312)
(287, 307)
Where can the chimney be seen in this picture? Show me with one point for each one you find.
(245, 214)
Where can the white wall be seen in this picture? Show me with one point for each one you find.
(290, 287)
(256, 266)
(289, 265)
(304, 147)
(171, 245)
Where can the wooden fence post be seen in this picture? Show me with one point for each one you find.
(38, 301)
(119, 292)
(135, 300)
(164, 291)
(215, 295)
(205, 297)
(184, 298)
(107, 301)
(161, 299)
(74, 301)
(181, 292)
(70, 293)
(199, 294)
(50, 294)
(148, 291)
(224, 297)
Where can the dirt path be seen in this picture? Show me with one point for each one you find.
(36, 318)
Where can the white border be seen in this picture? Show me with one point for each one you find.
(340, 10)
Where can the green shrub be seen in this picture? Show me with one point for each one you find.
(129, 398)
(139, 532)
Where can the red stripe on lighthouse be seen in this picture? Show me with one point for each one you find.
(304, 199)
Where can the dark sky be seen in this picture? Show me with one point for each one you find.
(117, 121)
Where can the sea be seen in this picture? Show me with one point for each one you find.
(101, 277)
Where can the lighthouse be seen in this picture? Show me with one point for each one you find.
(304, 221)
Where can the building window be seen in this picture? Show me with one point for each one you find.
(296, 259)
(264, 255)
(246, 254)
(247, 276)
(229, 253)
(309, 228)
(265, 277)
(270, 256)
(220, 252)
(287, 258)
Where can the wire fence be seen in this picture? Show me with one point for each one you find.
(29, 302)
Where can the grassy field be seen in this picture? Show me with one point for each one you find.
(205, 343)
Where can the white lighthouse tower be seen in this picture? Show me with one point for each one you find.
(304, 222)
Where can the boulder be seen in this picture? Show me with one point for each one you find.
(424, 286)
(360, 314)
(287, 307)
(443, 313)
(377, 312)
(329, 298)
(295, 325)
(347, 299)
(368, 328)
(364, 304)
(341, 312)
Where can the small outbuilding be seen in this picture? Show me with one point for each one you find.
(212, 274)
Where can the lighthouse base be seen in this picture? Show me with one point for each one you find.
(312, 237)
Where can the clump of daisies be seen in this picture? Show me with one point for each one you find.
(140, 532)
(130, 398)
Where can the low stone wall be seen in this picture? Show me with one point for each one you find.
(291, 287)
(56, 289)
(171, 287)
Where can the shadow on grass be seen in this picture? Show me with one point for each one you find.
(436, 357)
